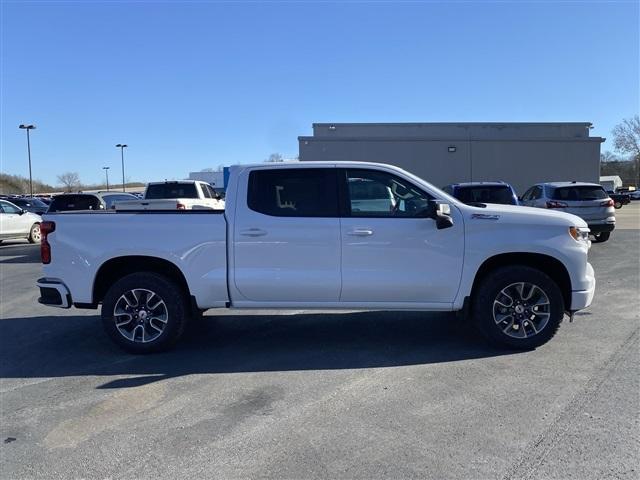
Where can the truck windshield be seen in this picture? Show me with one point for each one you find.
(584, 192)
(171, 190)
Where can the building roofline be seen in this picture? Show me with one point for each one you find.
(320, 124)
(452, 140)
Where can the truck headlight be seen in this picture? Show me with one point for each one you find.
(580, 234)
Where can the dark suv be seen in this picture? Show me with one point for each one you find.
(88, 201)
(483, 192)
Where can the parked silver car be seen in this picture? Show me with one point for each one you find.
(18, 223)
(588, 201)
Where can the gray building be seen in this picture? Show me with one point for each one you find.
(214, 178)
(442, 153)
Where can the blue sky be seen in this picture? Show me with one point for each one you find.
(190, 85)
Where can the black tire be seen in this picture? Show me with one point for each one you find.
(618, 205)
(489, 291)
(34, 233)
(174, 304)
(601, 237)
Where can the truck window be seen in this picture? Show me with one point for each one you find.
(212, 192)
(205, 190)
(295, 192)
(379, 194)
(171, 190)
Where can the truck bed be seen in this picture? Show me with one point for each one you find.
(193, 240)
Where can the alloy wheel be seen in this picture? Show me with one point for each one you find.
(521, 310)
(140, 315)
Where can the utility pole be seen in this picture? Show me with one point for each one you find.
(27, 128)
(122, 146)
(106, 171)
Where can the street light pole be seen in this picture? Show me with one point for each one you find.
(27, 128)
(106, 171)
(122, 146)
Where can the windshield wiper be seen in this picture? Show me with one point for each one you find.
(477, 204)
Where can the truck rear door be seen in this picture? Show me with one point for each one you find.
(286, 236)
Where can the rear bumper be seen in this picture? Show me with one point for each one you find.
(602, 227)
(53, 293)
(582, 298)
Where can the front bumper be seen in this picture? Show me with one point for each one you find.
(582, 298)
(53, 293)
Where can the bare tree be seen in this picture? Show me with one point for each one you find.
(609, 157)
(626, 139)
(275, 157)
(70, 181)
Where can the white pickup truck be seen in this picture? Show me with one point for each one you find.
(292, 237)
(176, 195)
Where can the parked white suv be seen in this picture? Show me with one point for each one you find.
(18, 223)
(588, 201)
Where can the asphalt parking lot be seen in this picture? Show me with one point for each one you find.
(323, 395)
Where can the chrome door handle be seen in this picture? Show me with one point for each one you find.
(360, 232)
(253, 232)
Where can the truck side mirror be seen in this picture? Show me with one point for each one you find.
(440, 212)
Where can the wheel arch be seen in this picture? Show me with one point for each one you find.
(116, 268)
(547, 264)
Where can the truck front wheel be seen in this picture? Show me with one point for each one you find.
(517, 307)
(144, 312)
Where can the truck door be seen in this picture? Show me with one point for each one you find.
(286, 237)
(389, 252)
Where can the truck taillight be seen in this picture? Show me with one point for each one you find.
(181, 206)
(554, 204)
(607, 203)
(45, 249)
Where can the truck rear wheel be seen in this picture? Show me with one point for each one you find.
(518, 307)
(144, 313)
